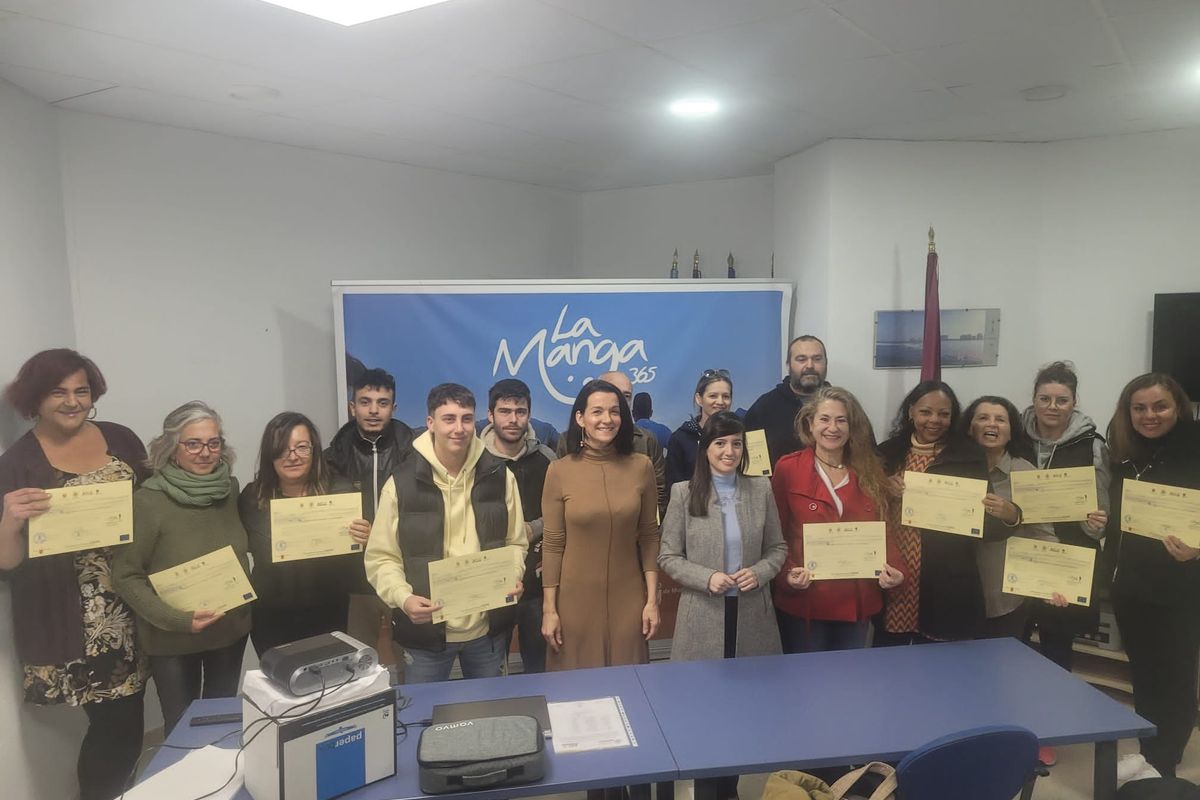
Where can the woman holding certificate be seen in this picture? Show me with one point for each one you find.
(836, 478)
(942, 597)
(1063, 436)
(309, 596)
(75, 637)
(185, 510)
(1156, 589)
(992, 423)
(714, 392)
(601, 540)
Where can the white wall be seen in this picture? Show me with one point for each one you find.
(803, 213)
(202, 263)
(37, 314)
(1070, 240)
(631, 233)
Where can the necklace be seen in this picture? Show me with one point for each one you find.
(826, 463)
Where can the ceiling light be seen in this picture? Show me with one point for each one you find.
(694, 107)
(1038, 94)
(352, 12)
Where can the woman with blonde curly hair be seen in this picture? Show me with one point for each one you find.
(837, 477)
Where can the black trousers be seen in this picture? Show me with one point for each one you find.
(1057, 629)
(1011, 624)
(1163, 645)
(529, 635)
(110, 747)
(725, 786)
(182, 679)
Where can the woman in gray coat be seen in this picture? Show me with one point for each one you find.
(721, 541)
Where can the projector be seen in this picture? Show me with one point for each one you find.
(329, 660)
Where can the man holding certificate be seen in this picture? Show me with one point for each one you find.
(1156, 589)
(831, 497)
(449, 501)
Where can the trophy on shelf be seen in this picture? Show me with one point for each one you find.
(696, 265)
(675, 264)
(729, 261)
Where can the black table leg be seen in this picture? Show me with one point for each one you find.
(664, 790)
(1104, 777)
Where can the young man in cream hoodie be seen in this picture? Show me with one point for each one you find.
(448, 498)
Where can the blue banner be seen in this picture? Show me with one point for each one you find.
(557, 336)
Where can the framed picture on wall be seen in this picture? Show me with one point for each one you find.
(970, 338)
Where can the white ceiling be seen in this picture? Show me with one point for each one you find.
(572, 93)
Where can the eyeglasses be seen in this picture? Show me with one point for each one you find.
(197, 446)
(714, 373)
(303, 450)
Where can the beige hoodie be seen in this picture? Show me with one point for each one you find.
(385, 563)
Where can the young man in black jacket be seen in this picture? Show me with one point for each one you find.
(364, 452)
(509, 436)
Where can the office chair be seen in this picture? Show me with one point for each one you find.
(989, 763)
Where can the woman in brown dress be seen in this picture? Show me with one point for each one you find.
(600, 547)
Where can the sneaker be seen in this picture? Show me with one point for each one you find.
(1133, 767)
(1048, 756)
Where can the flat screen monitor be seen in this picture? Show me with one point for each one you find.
(1176, 347)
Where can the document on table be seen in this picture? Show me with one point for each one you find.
(1055, 495)
(845, 549)
(312, 527)
(198, 772)
(213, 582)
(1034, 568)
(1159, 511)
(758, 458)
(943, 503)
(473, 583)
(83, 518)
(583, 725)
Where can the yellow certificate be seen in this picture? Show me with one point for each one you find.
(943, 503)
(758, 458)
(845, 549)
(1158, 511)
(1034, 568)
(1055, 495)
(311, 527)
(83, 518)
(471, 584)
(212, 582)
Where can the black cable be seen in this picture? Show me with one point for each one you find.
(293, 712)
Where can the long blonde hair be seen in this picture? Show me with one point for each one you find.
(859, 455)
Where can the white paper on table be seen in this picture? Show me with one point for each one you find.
(197, 772)
(582, 725)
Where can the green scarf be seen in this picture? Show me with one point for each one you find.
(190, 489)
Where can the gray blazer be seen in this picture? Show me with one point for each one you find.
(693, 548)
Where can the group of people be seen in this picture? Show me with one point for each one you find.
(588, 523)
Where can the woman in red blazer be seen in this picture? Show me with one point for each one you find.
(836, 478)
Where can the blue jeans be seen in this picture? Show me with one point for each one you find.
(479, 658)
(818, 635)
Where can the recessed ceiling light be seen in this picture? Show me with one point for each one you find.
(352, 12)
(694, 107)
(1038, 94)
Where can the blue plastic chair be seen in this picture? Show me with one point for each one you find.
(989, 763)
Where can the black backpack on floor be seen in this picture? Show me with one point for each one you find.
(1159, 789)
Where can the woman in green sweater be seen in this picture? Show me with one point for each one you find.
(187, 509)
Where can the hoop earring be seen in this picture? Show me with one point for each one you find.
(92, 414)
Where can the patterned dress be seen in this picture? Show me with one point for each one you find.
(112, 665)
(903, 601)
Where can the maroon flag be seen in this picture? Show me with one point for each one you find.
(931, 344)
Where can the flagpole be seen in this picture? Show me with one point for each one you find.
(931, 343)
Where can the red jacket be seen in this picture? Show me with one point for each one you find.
(803, 497)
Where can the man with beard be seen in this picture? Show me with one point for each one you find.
(510, 436)
(775, 412)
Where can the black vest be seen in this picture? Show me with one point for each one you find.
(420, 534)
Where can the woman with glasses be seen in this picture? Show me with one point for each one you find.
(714, 392)
(296, 599)
(75, 637)
(185, 510)
(1062, 436)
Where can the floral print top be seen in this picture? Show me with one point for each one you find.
(113, 665)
